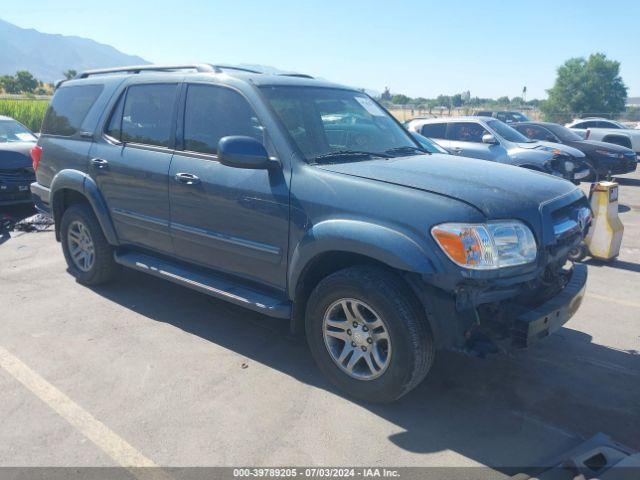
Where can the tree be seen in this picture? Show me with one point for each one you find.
(69, 74)
(591, 86)
(400, 99)
(27, 83)
(9, 84)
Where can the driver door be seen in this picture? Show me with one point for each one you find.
(230, 219)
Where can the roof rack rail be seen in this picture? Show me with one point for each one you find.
(200, 67)
(297, 75)
(240, 69)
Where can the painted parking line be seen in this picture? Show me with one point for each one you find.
(104, 438)
(626, 303)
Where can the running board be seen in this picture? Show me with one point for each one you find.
(206, 283)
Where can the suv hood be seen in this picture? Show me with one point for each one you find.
(497, 190)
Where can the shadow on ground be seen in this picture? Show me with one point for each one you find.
(491, 411)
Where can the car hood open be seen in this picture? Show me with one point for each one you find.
(497, 190)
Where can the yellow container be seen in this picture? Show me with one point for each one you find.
(605, 235)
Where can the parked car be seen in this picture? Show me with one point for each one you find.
(606, 159)
(503, 115)
(609, 131)
(491, 139)
(231, 183)
(427, 144)
(16, 172)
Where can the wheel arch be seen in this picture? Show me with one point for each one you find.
(73, 186)
(618, 139)
(334, 245)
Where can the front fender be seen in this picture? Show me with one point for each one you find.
(384, 244)
(80, 182)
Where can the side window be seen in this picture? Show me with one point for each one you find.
(535, 133)
(589, 124)
(466, 132)
(214, 112)
(69, 108)
(147, 116)
(434, 130)
(603, 124)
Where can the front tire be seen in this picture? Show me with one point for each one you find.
(369, 334)
(86, 250)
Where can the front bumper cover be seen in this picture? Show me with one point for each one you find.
(532, 324)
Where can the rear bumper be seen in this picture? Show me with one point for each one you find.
(41, 197)
(533, 324)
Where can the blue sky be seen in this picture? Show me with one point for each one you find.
(423, 48)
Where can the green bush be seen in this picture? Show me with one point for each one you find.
(27, 111)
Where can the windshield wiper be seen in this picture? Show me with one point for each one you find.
(349, 154)
(407, 149)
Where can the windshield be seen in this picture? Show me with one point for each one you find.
(12, 131)
(327, 123)
(519, 117)
(508, 133)
(564, 133)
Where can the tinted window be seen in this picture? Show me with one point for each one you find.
(603, 124)
(434, 130)
(590, 124)
(466, 132)
(506, 132)
(148, 114)
(69, 108)
(214, 112)
(536, 133)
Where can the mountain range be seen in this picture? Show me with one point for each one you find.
(48, 55)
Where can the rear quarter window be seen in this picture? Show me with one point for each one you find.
(68, 109)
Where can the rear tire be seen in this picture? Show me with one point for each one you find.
(86, 250)
(369, 305)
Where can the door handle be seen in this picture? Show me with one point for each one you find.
(187, 178)
(99, 163)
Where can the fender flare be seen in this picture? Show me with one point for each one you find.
(69, 179)
(386, 245)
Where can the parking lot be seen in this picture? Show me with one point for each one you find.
(148, 371)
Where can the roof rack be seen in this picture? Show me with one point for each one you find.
(200, 67)
(239, 69)
(297, 75)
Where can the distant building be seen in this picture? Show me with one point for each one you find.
(633, 102)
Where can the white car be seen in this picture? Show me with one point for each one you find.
(605, 130)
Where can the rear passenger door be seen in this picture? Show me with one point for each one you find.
(130, 164)
(230, 219)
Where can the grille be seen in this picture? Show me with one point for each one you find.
(17, 174)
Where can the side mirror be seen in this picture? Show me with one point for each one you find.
(244, 152)
(490, 139)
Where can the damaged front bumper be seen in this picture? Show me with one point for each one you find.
(530, 324)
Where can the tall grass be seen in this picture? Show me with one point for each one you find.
(27, 111)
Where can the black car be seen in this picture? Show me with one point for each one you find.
(16, 171)
(606, 158)
(503, 115)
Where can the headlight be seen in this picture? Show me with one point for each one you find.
(486, 246)
(609, 154)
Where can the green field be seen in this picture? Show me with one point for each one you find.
(29, 112)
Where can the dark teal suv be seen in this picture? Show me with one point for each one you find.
(307, 201)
